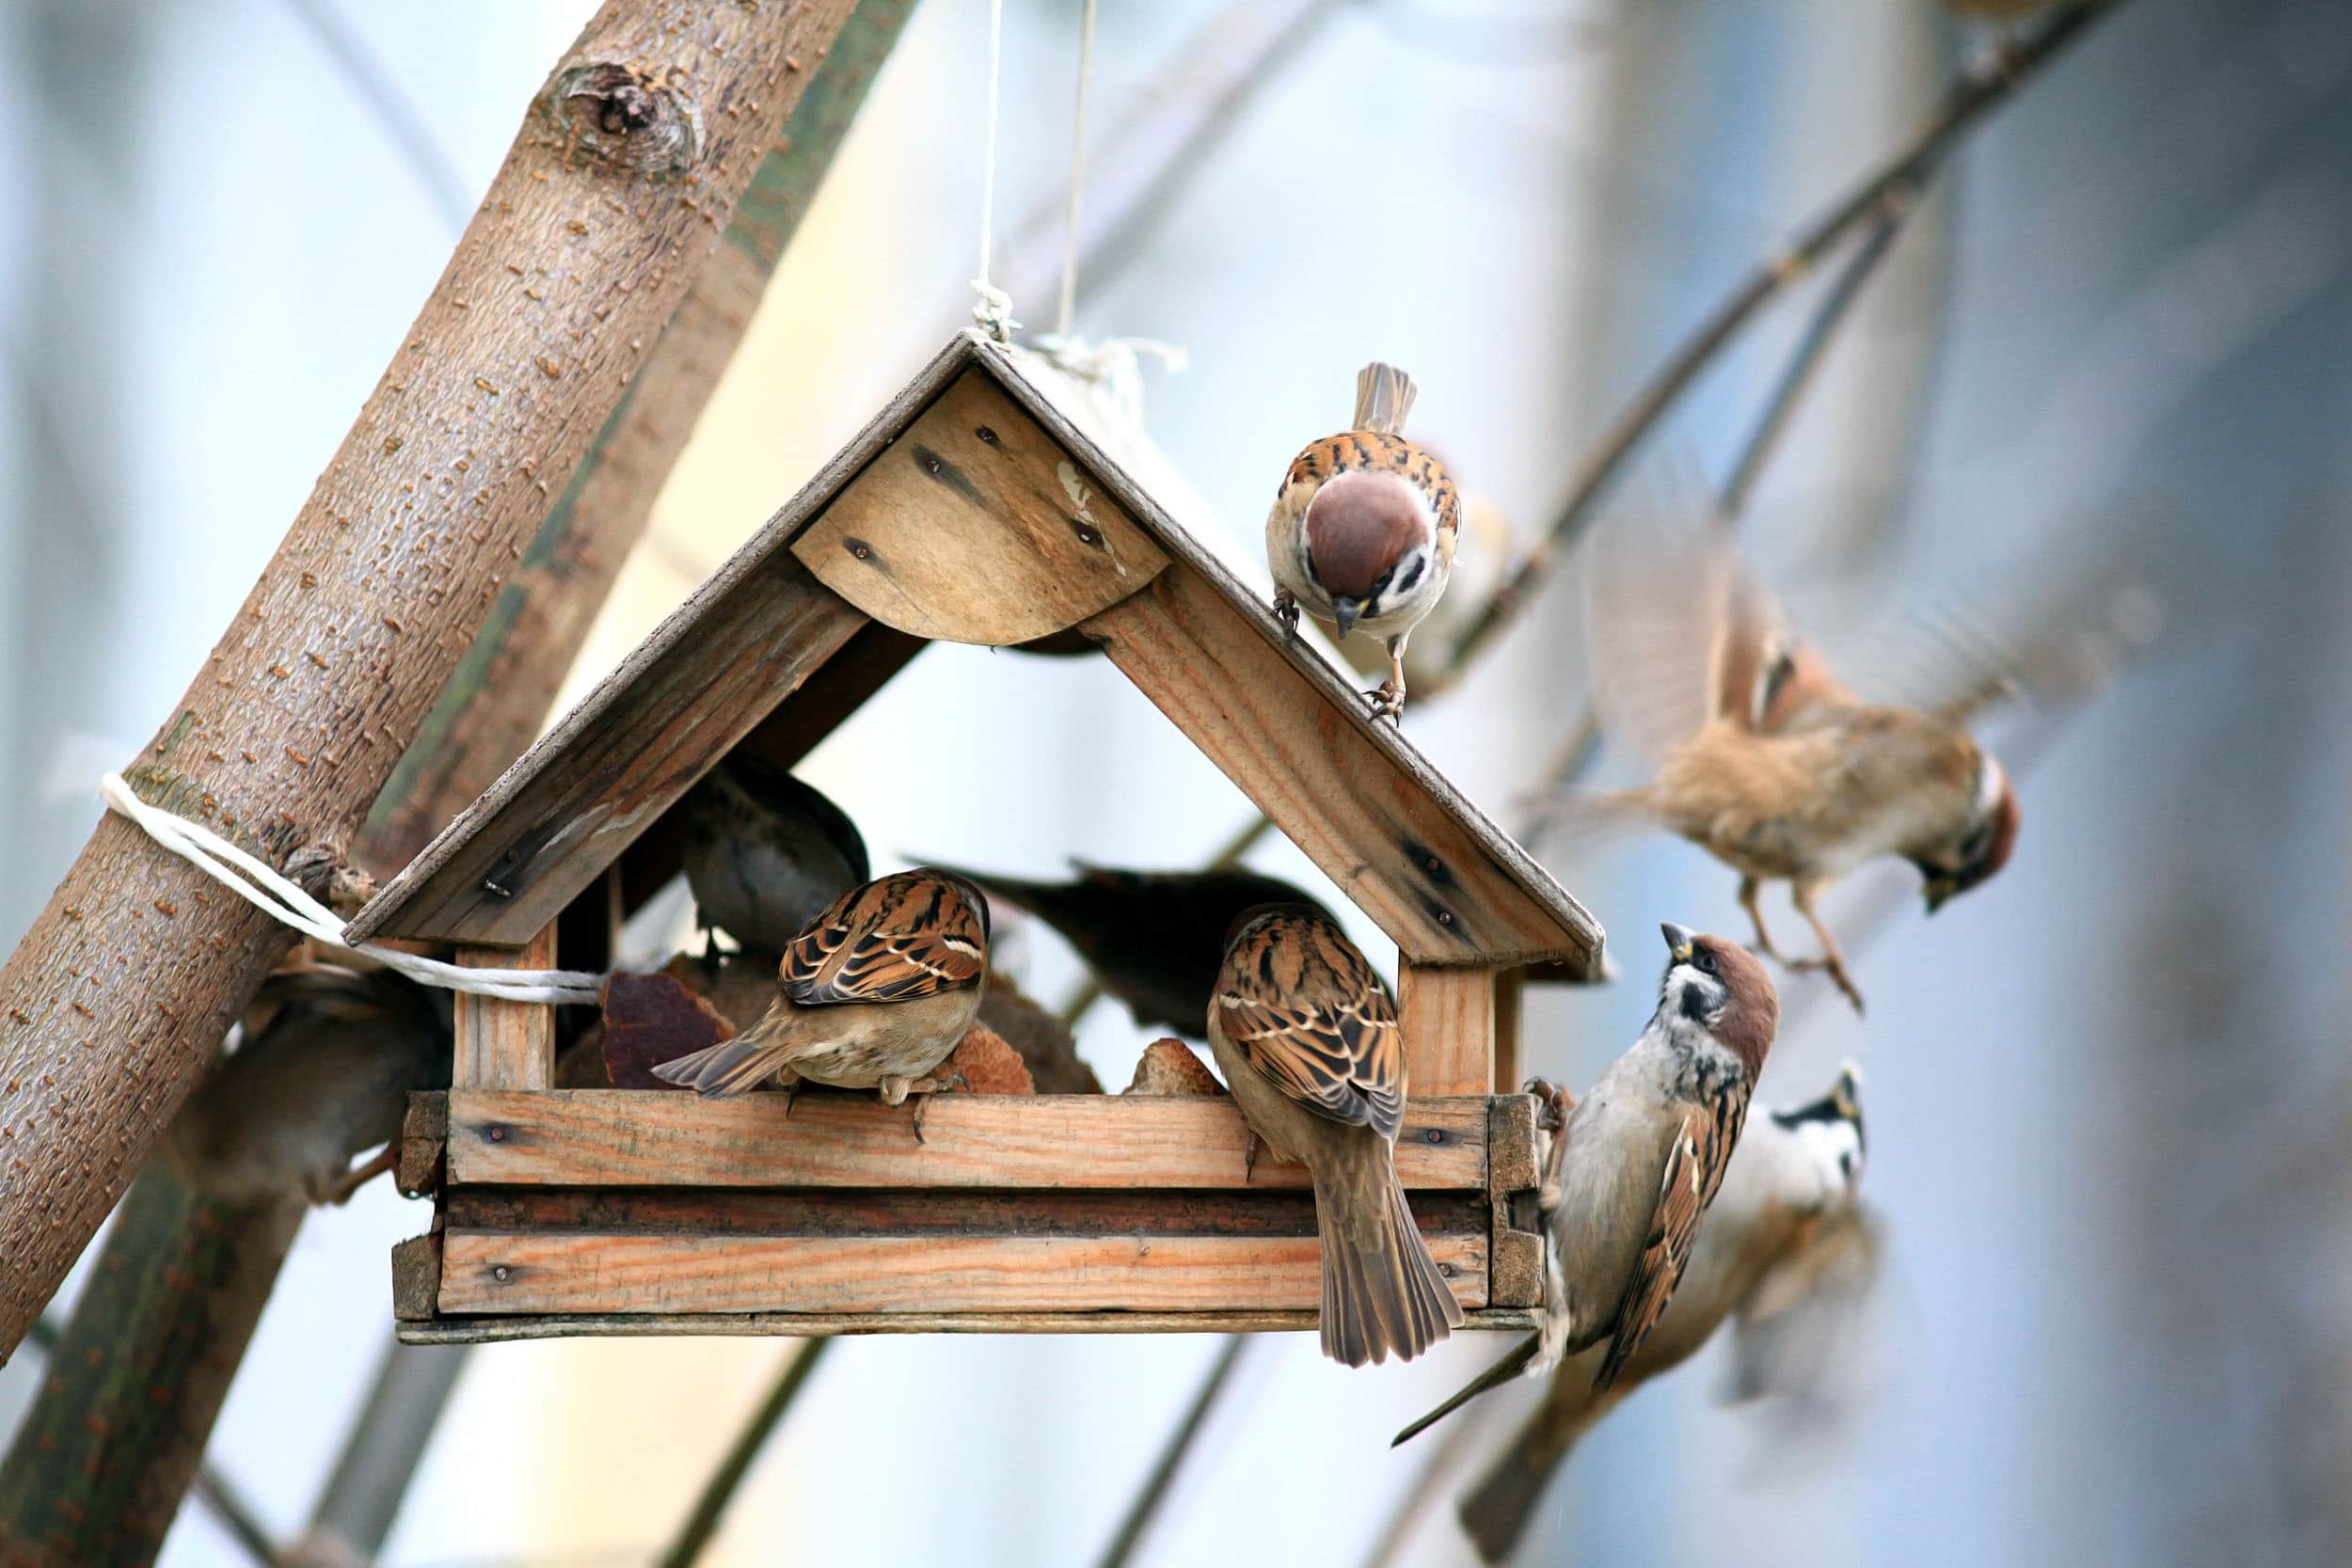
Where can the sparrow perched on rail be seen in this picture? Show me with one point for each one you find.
(1305, 1036)
(872, 994)
(329, 1057)
(1773, 1251)
(1154, 939)
(1363, 528)
(1763, 758)
(764, 853)
(1641, 1158)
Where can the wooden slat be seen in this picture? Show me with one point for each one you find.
(977, 527)
(1510, 1006)
(1415, 867)
(496, 1272)
(1448, 1019)
(504, 1045)
(1514, 1256)
(423, 1140)
(476, 1330)
(619, 1139)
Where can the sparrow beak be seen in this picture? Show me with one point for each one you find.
(1344, 610)
(1679, 940)
(1937, 893)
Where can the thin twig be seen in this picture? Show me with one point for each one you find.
(1978, 89)
(394, 115)
(217, 1492)
(703, 1522)
(1154, 1492)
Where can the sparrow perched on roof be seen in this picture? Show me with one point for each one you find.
(1154, 939)
(765, 853)
(1641, 1155)
(1488, 544)
(1363, 527)
(872, 994)
(329, 1057)
(1772, 1251)
(1305, 1036)
(1762, 757)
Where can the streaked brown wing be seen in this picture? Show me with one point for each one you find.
(1305, 1008)
(1694, 1169)
(901, 938)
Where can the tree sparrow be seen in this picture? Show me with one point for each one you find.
(328, 1059)
(765, 853)
(1363, 528)
(1789, 1212)
(1641, 1157)
(872, 994)
(1305, 1036)
(1154, 939)
(1763, 758)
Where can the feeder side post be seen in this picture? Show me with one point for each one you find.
(505, 1045)
(1448, 1017)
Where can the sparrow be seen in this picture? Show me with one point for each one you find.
(1154, 939)
(1787, 1217)
(1478, 573)
(1305, 1036)
(328, 1058)
(873, 994)
(1363, 528)
(1763, 758)
(1640, 1158)
(764, 853)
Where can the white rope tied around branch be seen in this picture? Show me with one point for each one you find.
(270, 891)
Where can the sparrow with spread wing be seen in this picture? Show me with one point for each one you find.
(1779, 1238)
(1363, 528)
(1305, 1036)
(1762, 757)
(873, 994)
(1154, 939)
(765, 853)
(1643, 1153)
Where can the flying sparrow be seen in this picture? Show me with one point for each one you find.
(1363, 528)
(872, 994)
(1643, 1153)
(1763, 758)
(1787, 1213)
(328, 1059)
(1305, 1036)
(1154, 939)
(765, 853)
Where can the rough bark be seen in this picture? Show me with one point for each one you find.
(629, 163)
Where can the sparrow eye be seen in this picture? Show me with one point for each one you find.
(1706, 964)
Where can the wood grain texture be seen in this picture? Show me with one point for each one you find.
(1515, 1257)
(1510, 1007)
(415, 1278)
(491, 1272)
(615, 1138)
(504, 1045)
(497, 702)
(612, 768)
(580, 251)
(423, 1143)
(476, 1330)
(1448, 1019)
(976, 527)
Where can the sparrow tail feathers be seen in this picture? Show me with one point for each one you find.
(1495, 1512)
(1381, 1289)
(1513, 1364)
(730, 1068)
(1384, 396)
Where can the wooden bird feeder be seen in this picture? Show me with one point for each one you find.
(994, 501)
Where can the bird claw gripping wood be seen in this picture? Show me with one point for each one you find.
(1286, 611)
(1553, 1105)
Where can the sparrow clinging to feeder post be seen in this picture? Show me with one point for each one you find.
(1363, 528)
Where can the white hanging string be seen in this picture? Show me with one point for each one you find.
(271, 893)
(991, 306)
(1077, 175)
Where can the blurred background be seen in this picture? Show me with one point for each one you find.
(2108, 1095)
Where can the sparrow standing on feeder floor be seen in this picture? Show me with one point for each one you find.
(1306, 1037)
(765, 853)
(874, 994)
(1363, 528)
(1764, 760)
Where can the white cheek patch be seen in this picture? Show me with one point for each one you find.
(1991, 784)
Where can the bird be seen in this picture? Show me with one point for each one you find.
(328, 1058)
(1154, 939)
(1488, 544)
(873, 994)
(1363, 528)
(1763, 758)
(1771, 1259)
(1305, 1036)
(1641, 1157)
(764, 853)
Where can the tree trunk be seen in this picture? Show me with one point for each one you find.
(629, 163)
